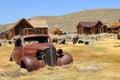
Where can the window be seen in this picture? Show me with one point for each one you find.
(37, 39)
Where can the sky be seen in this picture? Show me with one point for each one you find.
(14, 10)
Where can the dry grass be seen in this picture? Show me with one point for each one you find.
(104, 54)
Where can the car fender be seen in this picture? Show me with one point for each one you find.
(31, 63)
(65, 59)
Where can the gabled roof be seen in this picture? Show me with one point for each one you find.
(38, 23)
(17, 23)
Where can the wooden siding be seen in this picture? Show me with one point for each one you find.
(28, 31)
(115, 30)
(91, 28)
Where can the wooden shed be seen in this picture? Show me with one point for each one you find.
(56, 31)
(114, 28)
(91, 27)
(18, 27)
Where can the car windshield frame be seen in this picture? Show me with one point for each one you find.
(36, 40)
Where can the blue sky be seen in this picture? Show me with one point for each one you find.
(13, 10)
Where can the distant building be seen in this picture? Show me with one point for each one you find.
(91, 27)
(114, 28)
(56, 31)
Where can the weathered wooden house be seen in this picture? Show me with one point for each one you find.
(18, 27)
(114, 28)
(91, 27)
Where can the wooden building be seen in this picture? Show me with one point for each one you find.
(91, 27)
(56, 31)
(18, 27)
(114, 28)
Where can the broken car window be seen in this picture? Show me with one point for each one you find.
(38, 39)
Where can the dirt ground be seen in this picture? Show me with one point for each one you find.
(97, 61)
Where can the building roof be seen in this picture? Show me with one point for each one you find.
(38, 23)
(18, 22)
(88, 24)
(115, 25)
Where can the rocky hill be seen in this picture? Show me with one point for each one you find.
(68, 22)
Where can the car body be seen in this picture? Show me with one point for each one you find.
(36, 51)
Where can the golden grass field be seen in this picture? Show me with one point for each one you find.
(103, 54)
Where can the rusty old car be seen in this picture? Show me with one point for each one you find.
(36, 51)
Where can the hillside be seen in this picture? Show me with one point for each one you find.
(68, 22)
